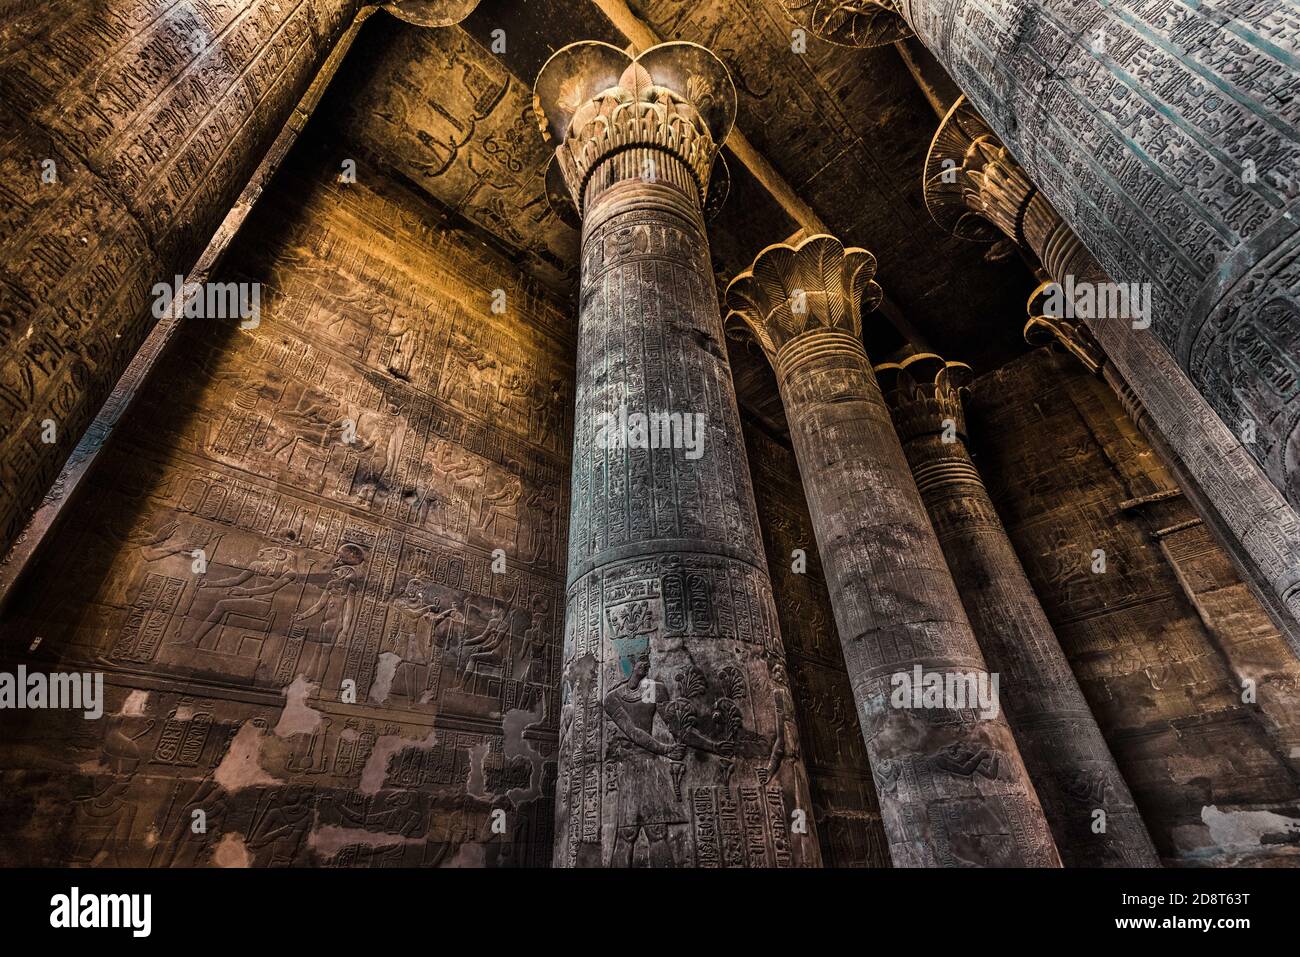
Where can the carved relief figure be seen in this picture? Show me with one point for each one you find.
(541, 527)
(413, 639)
(647, 798)
(315, 418)
(488, 643)
(498, 509)
(337, 603)
(272, 571)
(786, 744)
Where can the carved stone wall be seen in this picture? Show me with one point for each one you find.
(130, 127)
(348, 470)
(1162, 639)
(843, 794)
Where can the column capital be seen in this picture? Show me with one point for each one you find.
(431, 13)
(974, 188)
(1070, 334)
(849, 23)
(924, 392)
(792, 291)
(594, 101)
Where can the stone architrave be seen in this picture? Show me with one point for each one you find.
(953, 788)
(673, 748)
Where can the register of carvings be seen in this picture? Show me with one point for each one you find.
(1166, 135)
(483, 545)
(843, 794)
(1162, 640)
(103, 95)
(348, 681)
(977, 190)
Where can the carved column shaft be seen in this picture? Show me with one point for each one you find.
(953, 789)
(678, 728)
(1166, 136)
(1073, 771)
(130, 128)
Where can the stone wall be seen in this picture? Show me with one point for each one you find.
(1162, 639)
(129, 129)
(348, 469)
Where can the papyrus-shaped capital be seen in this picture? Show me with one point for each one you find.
(924, 392)
(818, 285)
(974, 188)
(1045, 329)
(431, 13)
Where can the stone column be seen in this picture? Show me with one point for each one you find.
(953, 789)
(1068, 760)
(130, 128)
(677, 740)
(1166, 136)
(975, 189)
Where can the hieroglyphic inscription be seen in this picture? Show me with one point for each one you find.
(153, 115)
(1058, 736)
(1167, 135)
(673, 678)
(953, 789)
(1162, 676)
(344, 678)
(844, 797)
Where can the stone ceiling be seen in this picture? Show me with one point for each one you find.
(848, 129)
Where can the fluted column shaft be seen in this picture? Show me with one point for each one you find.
(1166, 136)
(1073, 771)
(953, 788)
(677, 726)
(130, 128)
